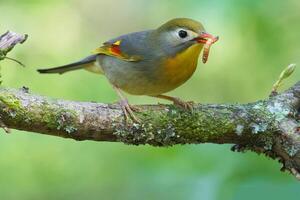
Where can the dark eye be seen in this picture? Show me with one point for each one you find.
(182, 34)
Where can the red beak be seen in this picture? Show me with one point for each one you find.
(204, 37)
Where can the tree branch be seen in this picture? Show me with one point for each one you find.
(268, 126)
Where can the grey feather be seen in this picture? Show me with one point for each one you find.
(70, 67)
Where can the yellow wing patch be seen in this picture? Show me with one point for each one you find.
(118, 42)
(114, 50)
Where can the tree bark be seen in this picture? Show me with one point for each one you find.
(269, 126)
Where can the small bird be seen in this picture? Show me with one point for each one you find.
(150, 62)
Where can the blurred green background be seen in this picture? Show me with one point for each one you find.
(257, 40)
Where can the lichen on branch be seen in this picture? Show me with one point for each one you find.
(269, 126)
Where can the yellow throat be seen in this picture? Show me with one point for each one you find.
(180, 68)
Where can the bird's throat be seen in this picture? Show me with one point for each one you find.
(180, 68)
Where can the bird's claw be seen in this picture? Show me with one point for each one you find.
(128, 110)
(186, 105)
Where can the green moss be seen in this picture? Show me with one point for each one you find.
(207, 124)
(10, 101)
(60, 119)
(52, 117)
(173, 126)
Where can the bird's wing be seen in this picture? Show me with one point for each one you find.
(114, 50)
(129, 47)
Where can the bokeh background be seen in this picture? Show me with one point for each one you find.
(257, 40)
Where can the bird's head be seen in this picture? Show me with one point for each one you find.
(181, 33)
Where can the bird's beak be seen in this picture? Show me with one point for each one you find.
(204, 37)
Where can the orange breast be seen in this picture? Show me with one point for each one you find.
(180, 68)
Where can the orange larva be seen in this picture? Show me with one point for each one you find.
(206, 48)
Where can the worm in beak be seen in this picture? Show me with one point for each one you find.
(208, 40)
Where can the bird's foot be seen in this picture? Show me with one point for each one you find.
(186, 105)
(128, 110)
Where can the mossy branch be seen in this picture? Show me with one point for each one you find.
(269, 126)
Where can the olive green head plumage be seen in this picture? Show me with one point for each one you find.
(179, 34)
(186, 23)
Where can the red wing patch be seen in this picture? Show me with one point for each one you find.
(115, 51)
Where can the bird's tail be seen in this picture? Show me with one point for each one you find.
(84, 63)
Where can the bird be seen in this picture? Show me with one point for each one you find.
(151, 62)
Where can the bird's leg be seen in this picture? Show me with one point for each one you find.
(127, 109)
(187, 105)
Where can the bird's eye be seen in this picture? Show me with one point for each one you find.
(182, 34)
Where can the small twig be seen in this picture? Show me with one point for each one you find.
(287, 72)
(12, 59)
